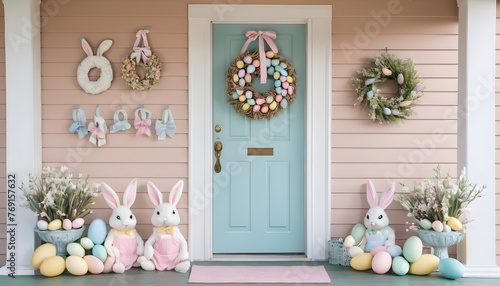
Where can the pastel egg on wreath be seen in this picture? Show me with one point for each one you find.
(400, 78)
(413, 93)
(264, 109)
(418, 87)
(278, 68)
(268, 62)
(405, 103)
(269, 54)
(248, 78)
(248, 94)
(256, 63)
(395, 112)
(42, 225)
(278, 98)
(275, 62)
(240, 64)
(251, 101)
(369, 81)
(387, 111)
(369, 94)
(270, 71)
(289, 79)
(276, 76)
(250, 69)
(290, 90)
(242, 82)
(260, 101)
(285, 84)
(77, 222)
(437, 226)
(256, 108)
(236, 78)
(235, 95)
(67, 225)
(278, 90)
(283, 65)
(386, 71)
(248, 59)
(269, 99)
(277, 83)
(284, 92)
(283, 78)
(284, 72)
(241, 73)
(242, 98)
(273, 105)
(284, 103)
(245, 106)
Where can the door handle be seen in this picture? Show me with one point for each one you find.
(217, 149)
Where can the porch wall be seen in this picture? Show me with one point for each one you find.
(361, 149)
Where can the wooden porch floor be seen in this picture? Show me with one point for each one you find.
(339, 275)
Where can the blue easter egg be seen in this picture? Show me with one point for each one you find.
(270, 71)
(235, 95)
(283, 72)
(284, 103)
(278, 90)
(369, 94)
(387, 111)
(100, 252)
(278, 68)
(451, 268)
(248, 94)
(400, 266)
(283, 65)
(275, 62)
(395, 250)
(97, 231)
(251, 101)
(277, 83)
(250, 69)
(268, 62)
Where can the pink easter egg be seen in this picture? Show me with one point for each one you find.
(278, 97)
(285, 85)
(381, 262)
(437, 226)
(96, 266)
(260, 101)
(378, 249)
(283, 78)
(248, 78)
(108, 264)
(256, 63)
(256, 108)
(264, 109)
(290, 90)
(67, 224)
(78, 222)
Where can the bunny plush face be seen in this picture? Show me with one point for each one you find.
(122, 217)
(165, 214)
(376, 217)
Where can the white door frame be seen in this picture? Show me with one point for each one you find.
(318, 116)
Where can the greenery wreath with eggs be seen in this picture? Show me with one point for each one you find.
(387, 68)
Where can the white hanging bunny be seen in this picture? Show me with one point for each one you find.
(378, 232)
(166, 248)
(123, 244)
(97, 61)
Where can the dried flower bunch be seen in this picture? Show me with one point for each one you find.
(56, 195)
(440, 201)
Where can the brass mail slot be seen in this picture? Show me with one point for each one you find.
(260, 151)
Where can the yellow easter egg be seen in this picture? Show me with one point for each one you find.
(52, 266)
(362, 262)
(76, 265)
(405, 103)
(276, 75)
(240, 64)
(55, 225)
(454, 223)
(245, 106)
(236, 78)
(425, 265)
(269, 54)
(242, 98)
(273, 105)
(289, 79)
(42, 252)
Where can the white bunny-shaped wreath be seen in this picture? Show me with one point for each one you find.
(97, 61)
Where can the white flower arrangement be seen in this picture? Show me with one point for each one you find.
(56, 195)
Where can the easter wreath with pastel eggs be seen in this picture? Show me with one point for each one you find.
(387, 68)
(240, 90)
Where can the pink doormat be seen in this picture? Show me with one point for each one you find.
(258, 274)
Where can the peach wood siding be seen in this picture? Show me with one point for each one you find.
(2, 141)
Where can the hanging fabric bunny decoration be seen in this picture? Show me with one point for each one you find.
(142, 121)
(98, 129)
(79, 122)
(119, 125)
(166, 126)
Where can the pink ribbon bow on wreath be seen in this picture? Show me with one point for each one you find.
(267, 36)
(142, 123)
(144, 52)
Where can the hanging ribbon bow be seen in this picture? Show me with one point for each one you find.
(269, 37)
(129, 232)
(97, 129)
(165, 126)
(78, 126)
(165, 230)
(142, 122)
(141, 52)
(119, 125)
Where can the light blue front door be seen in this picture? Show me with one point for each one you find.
(258, 200)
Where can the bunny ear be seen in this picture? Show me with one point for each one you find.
(154, 194)
(104, 46)
(129, 194)
(110, 196)
(371, 194)
(387, 195)
(176, 192)
(86, 47)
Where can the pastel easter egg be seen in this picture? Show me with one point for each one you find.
(400, 266)
(425, 224)
(97, 231)
(413, 93)
(454, 223)
(242, 98)
(358, 232)
(76, 265)
(86, 243)
(269, 99)
(256, 108)
(395, 112)
(277, 83)
(256, 63)
(235, 95)
(41, 253)
(242, 82)
(278, 90)
(425, 265)
(269, 54)
(362, 262)
(275, 62)
(53, 266)
(395, 250)
(446, 228)
(289, 79)
(75, 249)
(77, 222)
(108, 264)
(236, 78)
(278, 68)
(285, 84)
(248, 94)
(268, 62)
(278, 98)
(451, 268)
(284, 72)
(437, 226)
(245, 106)
(284, 103)
(250, 69)
(273, 105)
(387, 111)
(66, 224)
(386, 71)
(284, 92)
(260, 101)
(405, 103)
(264, 109)
(240, 64)
(55, 225)
(100, 252)
(270, 70)
(381, 262)
(400, 78)
(283, 65)
(42, 225)
(369, 94)
(248, 77)
(377, 249)
(239, 91)
(418, 87)
(369, 81)
(241, 73)
(251, 101)
(247, 59)
(95, 265)
(283, 78)
(276, 76)
(290, 90)
(412, 249)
